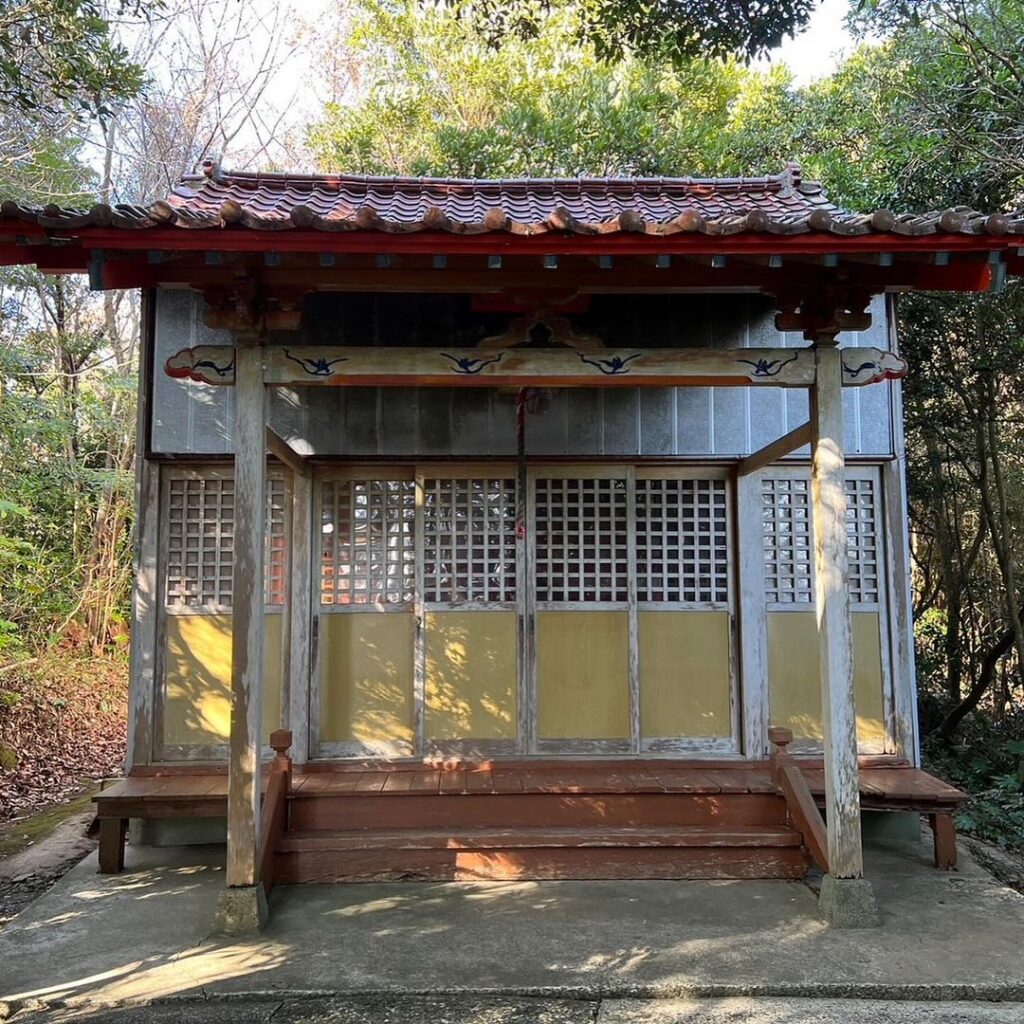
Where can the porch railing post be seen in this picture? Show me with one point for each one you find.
(242, 905)
(846, 897)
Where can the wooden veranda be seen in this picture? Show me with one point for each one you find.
(533, 819)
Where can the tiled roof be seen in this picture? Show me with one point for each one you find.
(781, 204)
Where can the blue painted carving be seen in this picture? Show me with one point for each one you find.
(470, 364)
(767, 367)
(612, 366)
(856, 371)
(209, 364)
(316, 367)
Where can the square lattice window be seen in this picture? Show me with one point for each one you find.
(788, 545)
(469, 541)
(367, 546)
(682, 541)
(582, 540)
(200, 541)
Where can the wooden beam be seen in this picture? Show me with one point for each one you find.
(285, 453)
(770, 453)
(832, 604)
(287, 366)
(247, 618)
(507, 243)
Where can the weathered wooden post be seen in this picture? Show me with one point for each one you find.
(242, 906)
(847, 898)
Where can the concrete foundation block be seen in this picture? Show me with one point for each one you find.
(242, 910)
(163, 832)
(894, 829)
(848, 903)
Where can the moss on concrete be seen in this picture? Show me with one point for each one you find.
(17, 835)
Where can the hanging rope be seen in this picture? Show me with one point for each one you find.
(521, 464)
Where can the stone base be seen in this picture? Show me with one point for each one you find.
(848, 903)
(242, 910)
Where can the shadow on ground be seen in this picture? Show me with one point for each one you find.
(147, 934)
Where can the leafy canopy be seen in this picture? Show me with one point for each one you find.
(437, 99)
(58, 55)
(674, 29)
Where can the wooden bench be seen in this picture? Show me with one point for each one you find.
(903, 788)
(150, 797)
(883, 787)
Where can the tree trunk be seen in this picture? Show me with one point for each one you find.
(986, 676)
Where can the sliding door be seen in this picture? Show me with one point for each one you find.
(467, 658)
(584, 640)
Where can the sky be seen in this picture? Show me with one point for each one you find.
(813, 54)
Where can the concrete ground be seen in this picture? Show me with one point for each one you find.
(146, 935)
(524, 1010)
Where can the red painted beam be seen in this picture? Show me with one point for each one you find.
(959, 276)
(501, 243)
(50, 259)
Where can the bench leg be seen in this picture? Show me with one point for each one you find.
(112, 833)
(945, 840)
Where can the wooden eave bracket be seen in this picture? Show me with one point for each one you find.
(770, 453)
(285, 453)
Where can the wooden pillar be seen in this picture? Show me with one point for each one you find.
(835, 640)
(247, 616)
(753, 619)
(300, 598)
(146, 597)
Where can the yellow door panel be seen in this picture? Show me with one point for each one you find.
(794, 682)
(685, 677)
(197, 705)
(582, 675)
(366, 685)
(471, 675)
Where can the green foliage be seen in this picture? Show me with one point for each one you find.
(651, 28)
(57, 55)
(437, 99)
(988, 764)
(63, 411)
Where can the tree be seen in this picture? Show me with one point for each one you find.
(434, 98)
(965, 81)
(58, 55)
(669, 29)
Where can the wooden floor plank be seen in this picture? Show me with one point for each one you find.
(507, 780)
(453, 781)
(427, 781)
(399, 782)
(480, 780)
(371, 782)
(686, 780)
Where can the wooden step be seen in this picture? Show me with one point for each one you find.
(331, 811)
(539, 853)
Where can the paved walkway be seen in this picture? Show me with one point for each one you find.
(519, 1010)
(146, 935)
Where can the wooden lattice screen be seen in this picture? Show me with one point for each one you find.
(200, 536)
(788, 546)
(682, 547)
(367, 543)
(469, 540)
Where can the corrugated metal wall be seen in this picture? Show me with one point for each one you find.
(191, 418)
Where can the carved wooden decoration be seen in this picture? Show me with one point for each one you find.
(541, 331)
(534, 367)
